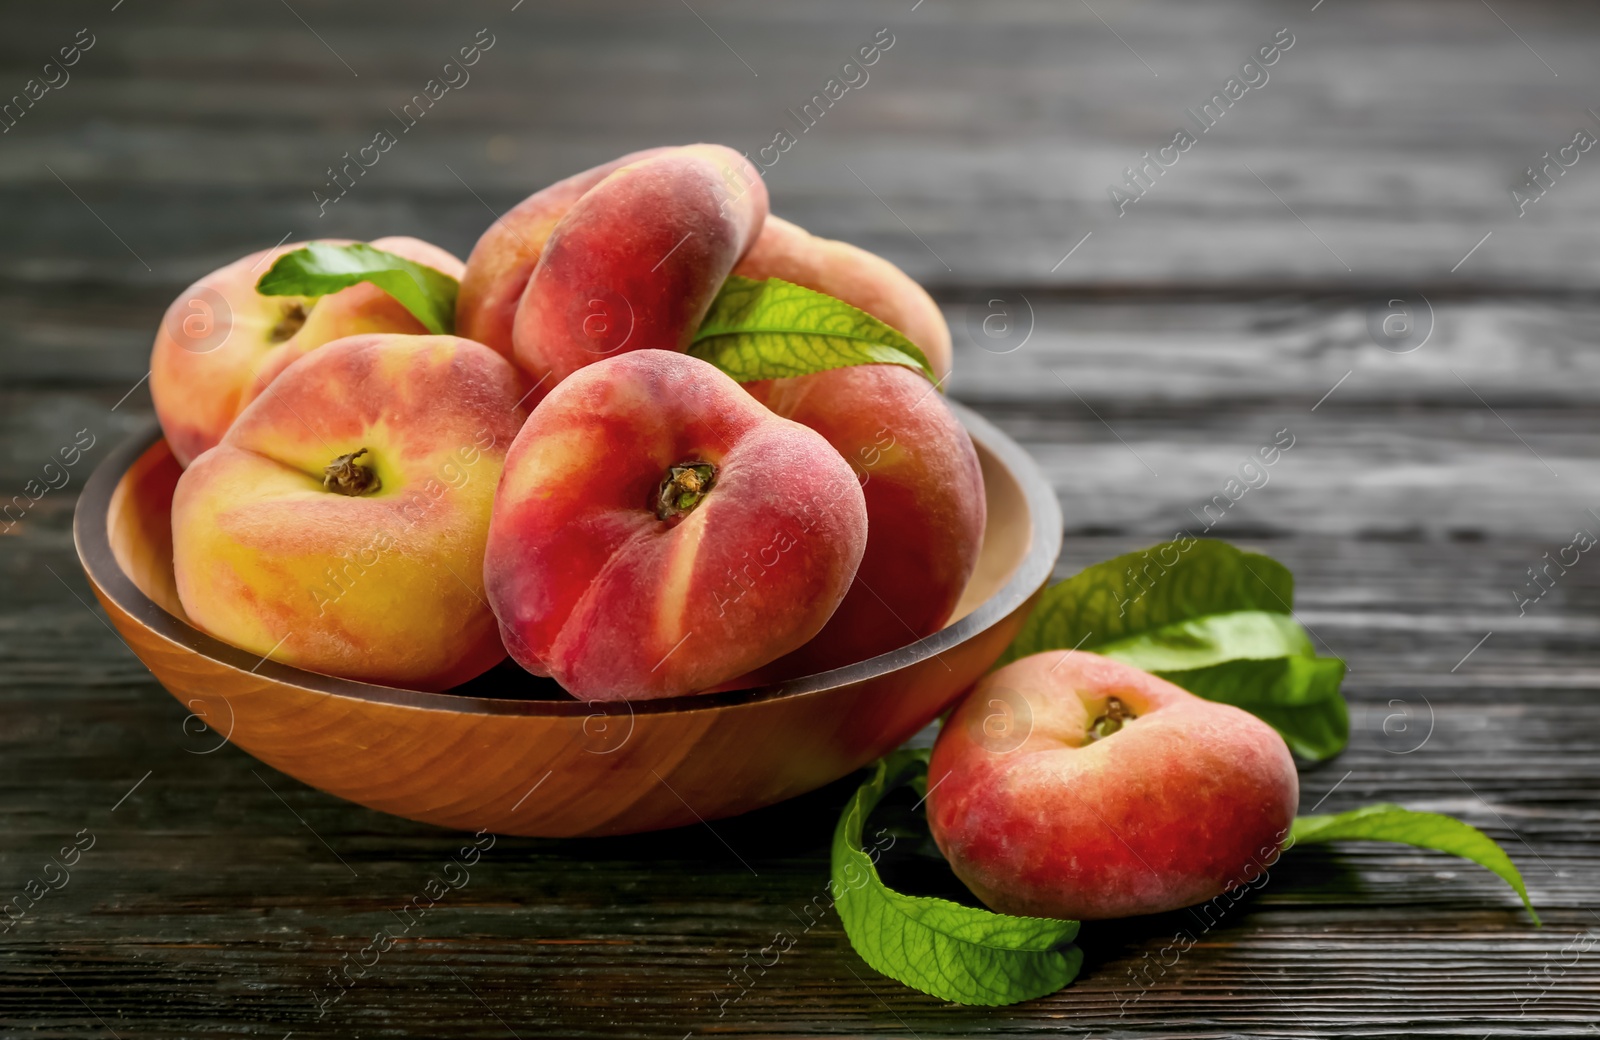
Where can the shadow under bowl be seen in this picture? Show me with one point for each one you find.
(514, 754)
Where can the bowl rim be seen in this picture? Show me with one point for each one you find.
(91, 536)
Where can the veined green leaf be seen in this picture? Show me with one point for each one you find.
(1255, 660)
(1297, 696)
(320, 268)
(773, 329)
(1207, 617)
(1424, 830)
(1211, 639)
(953, 952)
(1138, 592)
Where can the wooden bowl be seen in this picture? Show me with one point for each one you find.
(514, 754)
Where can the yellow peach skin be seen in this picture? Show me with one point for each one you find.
(340, 524)
(221, 342)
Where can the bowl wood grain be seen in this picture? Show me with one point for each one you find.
(513, 754)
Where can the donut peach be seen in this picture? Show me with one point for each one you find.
(339, 526)
(1070, 785)
(659, 532)
(221, 342)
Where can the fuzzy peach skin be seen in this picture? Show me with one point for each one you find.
(595, 587)
(503, 260)
(1187, 800)
(220, 341)
(925, 506)
(636, 262)
(864, 280)
(384, 585)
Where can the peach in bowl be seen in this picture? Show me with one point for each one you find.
(514, 753)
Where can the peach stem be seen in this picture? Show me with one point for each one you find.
(1115, 715)
(683, 488)
(294, 316)
(346, 476)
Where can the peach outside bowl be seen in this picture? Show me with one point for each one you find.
(512, 753)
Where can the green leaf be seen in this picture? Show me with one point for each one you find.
(1210, 618)
(1255, 660)
(1211, 639)
(773, 329)
(321, 268)
(954, 952)
(1142, 591)
(1297, 696)
(1424, 830)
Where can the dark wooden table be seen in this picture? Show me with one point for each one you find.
(1244, 293)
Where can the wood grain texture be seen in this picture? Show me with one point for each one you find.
(219, 894)
(1395, 132)
(215, 907)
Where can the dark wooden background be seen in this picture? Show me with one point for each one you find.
(1227, 304)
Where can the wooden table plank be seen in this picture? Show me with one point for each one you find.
(1175, 340)
(215, 894)
(1395, 131)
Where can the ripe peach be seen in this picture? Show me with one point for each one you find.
(636, 261)
(925, 506)
(659, 532)
(504, 258)
(221, 341)
(339, 525)
(864, 280)
(1070, 785)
